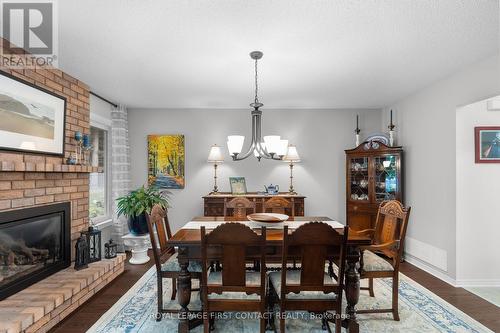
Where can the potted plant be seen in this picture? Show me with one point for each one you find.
(137, 203)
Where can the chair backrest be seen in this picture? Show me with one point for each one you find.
(278, 205)
(159, 233)
(392, 221)
(239, 208)
(229, 243)
(314, 244)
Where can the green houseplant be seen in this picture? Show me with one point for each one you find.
(137, 203)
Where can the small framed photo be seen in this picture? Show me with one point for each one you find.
(487, 144)
(238, 185)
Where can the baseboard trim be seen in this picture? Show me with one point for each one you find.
(478, 283)
(429, 269)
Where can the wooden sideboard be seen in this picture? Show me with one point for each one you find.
(292, 205)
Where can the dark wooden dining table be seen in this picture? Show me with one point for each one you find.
(188, 242)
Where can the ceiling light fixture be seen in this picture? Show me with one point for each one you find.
(272, 147)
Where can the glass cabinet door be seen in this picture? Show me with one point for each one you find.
(359, 179)
(386, 179)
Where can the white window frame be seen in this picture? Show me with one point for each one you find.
(103, 123)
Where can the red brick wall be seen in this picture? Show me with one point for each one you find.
(24, 189)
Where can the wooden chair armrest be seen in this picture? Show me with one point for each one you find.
(365, 232)
(386, 246)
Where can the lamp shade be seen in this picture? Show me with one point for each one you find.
(282, 148)
(272, 143)
(215, 155)
(235, 143)
(292, 155)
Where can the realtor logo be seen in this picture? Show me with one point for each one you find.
(30, 26)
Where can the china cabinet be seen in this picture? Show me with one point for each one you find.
(373, 175)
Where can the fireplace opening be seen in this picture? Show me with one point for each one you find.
(34, 243)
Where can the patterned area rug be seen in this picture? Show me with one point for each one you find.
(420, 311)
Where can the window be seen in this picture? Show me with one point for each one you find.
(99, 203)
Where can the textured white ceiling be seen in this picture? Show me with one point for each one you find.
(317, 54)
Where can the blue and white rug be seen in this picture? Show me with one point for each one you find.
(420, 311)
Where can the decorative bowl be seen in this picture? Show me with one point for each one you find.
(268, 219)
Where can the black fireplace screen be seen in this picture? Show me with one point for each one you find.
(34, 243)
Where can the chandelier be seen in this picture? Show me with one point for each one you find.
(271, 146)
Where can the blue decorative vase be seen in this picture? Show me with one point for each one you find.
(138, 225)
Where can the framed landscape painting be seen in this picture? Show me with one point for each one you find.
(487, 144)
(166, 160)
(32, 119)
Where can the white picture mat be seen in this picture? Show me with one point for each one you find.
(11, 140)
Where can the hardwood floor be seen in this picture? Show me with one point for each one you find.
(476, 307)
(83, 318)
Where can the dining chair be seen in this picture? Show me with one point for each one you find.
(310, 288)
(279, 205)
(239, 208)
(167, 266)
(234, 288)
(387, 239)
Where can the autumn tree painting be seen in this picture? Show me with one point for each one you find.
(166, 161)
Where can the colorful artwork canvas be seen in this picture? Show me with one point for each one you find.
(166, 160)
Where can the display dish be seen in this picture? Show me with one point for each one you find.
(268, 219)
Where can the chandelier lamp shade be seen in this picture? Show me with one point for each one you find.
(268, 147)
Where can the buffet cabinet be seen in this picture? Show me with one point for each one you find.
(373, 175)
(218, 204)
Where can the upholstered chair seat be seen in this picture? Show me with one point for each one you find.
(374, 263)
(293, 277)
(172, 265)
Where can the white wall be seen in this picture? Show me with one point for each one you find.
(100, 111)
(478, 216)
(426, 129)
(320, 135)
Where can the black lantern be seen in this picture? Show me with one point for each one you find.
(81, 253)
(110, 249)
(93, 237)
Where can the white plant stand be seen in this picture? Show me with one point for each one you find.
(139, 245)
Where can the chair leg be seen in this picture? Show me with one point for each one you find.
(370, 287)
(282, 322)
(174, 289)
(262, 322)
(395, 297)
(338, 324)
(160, 298)
(206, 323)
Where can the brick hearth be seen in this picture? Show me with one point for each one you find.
(41, 306)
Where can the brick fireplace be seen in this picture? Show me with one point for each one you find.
(30, 180)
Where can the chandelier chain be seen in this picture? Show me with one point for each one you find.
(256, 84)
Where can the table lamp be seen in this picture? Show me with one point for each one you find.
(215, 156)
(292, 157)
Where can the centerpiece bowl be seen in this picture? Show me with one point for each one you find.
(268, 219)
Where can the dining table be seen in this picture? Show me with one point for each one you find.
(187, 240)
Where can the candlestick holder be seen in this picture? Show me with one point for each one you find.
(357, 131)
(391, 132)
